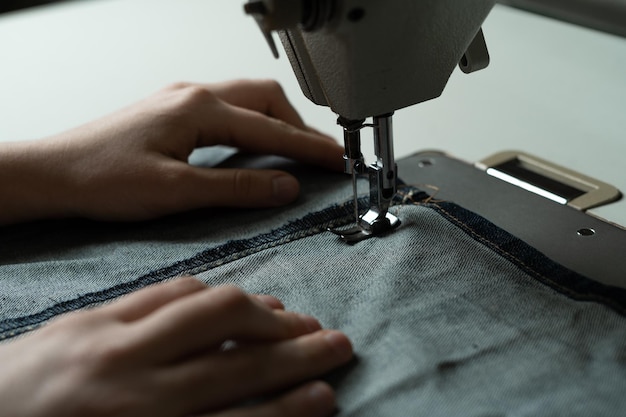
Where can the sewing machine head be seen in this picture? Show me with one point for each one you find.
(369, 58)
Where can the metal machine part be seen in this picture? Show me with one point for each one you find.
(369, 58)
(382, 178)
(549, 180)
(566, 234)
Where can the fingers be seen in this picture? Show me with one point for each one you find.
(257, 370)
(202, 187)
(315, 399)
(262, 122)
(263, 96)
(259, 109)
(321, 134)
(254, 132)
(206, 319)
(147, 300)
(272, 302)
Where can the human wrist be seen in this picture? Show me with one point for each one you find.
(31, 182)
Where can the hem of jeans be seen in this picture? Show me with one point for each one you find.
(516, 251)
(531, 261)
(561, 279)
(311, 224)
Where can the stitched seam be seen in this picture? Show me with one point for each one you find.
(529, 269)
(308, 225)
(408, 194)
(495, 246)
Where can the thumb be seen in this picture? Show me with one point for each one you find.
(241, 188)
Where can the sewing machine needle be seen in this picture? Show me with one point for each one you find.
(355, 194)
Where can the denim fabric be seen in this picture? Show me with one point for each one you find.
(449, 315)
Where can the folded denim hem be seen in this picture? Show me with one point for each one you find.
(506, 245)
(531, 261)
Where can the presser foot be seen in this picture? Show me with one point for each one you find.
(370, 224)
(382, 179)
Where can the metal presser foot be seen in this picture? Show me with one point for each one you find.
(359, 232)
(382, 179)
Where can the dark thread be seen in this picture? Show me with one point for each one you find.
(514, 250)
(311, 224)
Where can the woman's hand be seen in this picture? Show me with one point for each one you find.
(174, 349)
(132, 165)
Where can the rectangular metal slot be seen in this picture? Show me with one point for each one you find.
(549, 180)
(516, 171)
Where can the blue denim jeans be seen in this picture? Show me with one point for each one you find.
(449, 315)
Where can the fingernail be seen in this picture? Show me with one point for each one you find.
(340, 344)
(285, 189)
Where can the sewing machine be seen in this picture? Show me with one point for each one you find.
(367, 58)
